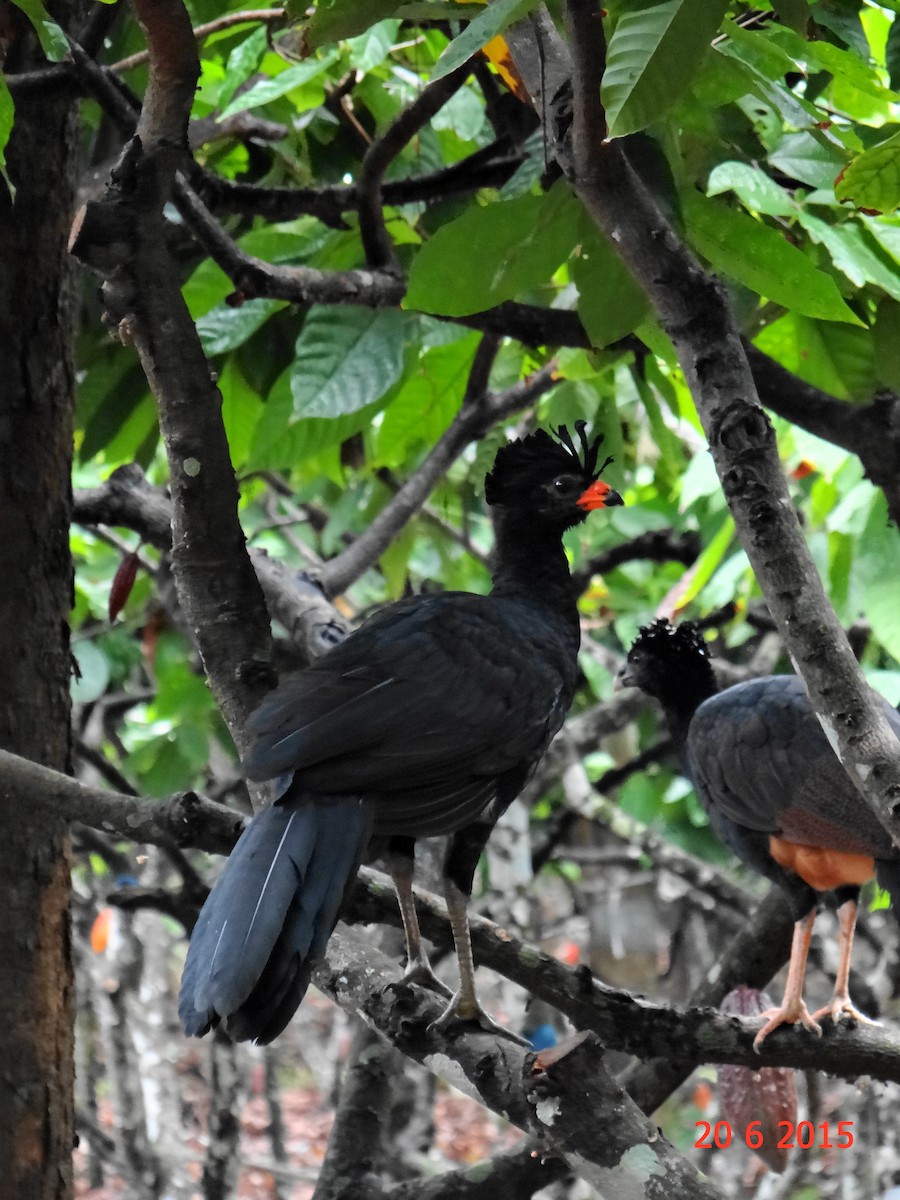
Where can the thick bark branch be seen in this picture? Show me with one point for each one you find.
(648, 1030)
(185, 819)
(123, 236)
(623, 1021)
(564, 1097)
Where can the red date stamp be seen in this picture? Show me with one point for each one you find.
(804, 1135)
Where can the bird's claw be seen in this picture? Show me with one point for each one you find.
(420, 972)
(841, 1007)
(458, 1015)
(788, 1014)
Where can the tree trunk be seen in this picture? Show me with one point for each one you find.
(36, 402)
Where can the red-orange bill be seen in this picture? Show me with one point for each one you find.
(599, 495)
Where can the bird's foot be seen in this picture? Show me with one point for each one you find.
(790, 1013)
(420, 972)
(842, 1006)
(460, 1013)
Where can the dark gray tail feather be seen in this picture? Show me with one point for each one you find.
(267, 920)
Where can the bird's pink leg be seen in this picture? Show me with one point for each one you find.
(841, 1004)
(793, 1008)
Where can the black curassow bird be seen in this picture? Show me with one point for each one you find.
(428, 719)
(775, 792)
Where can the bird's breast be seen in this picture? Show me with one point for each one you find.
(822, 869)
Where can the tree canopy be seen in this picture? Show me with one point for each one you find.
(334, 256)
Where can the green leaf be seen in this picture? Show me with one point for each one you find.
(337, 19)
(755, 49)
(53, 40)
(837, 358)
(279, 443)
(872, 180)
(878, 567)
(346, 358)
(652, 58)
(225, 328)
(795, 14)
(610, 303)
(371, 48)
(852, 254)
(491, 21)
(755, 190)
(241, 409)
(698, 576)
(242, 62)
(761, 258)
(493, 253)
(271, 89)
(846, 65)
(809, 159)
(7, 114)
(423, 405)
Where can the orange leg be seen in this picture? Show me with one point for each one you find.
(793, 1008)
(840, 1004)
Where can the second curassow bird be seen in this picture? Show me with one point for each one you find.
(427, 720)
(775, 792)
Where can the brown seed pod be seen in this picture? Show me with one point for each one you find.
(758, 1102)
(122, 583)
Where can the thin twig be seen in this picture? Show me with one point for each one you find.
(266, 15)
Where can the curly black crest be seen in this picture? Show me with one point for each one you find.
(662, 637)
(539, 455)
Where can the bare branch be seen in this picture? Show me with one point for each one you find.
(272, 16)
(185, 819)
(379, 156)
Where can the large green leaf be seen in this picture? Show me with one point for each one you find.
(279, 443)
(755, 190)
(496, 17)
(852, 254)
(610, 303)
(423, 405)
(270, 89)
(838, 358)
(53, 40)
(872, 180)
(346, 358)
(762, 259)
(493, 253)
(225, 328)
(652, 58)
(243, 61)
(333, 20)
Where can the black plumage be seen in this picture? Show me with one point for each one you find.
(775, 792)
(426, 720)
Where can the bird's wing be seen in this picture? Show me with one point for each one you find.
(758, 755)
(436, 692)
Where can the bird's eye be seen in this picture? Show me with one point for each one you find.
(564, 483)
